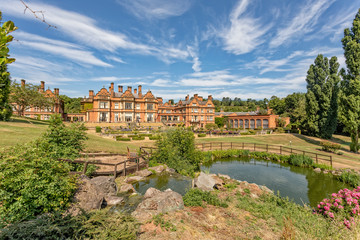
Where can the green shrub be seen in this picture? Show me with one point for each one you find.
(197, 197)
(156, 137)
(202, 135)
(132, 135)
(176, 148)
(329, 146)
(121, 138)
(350, 177)
(98, 129)
(252, 132)
(145, 134)
(138, 138)
(279, 130)
(300, 160)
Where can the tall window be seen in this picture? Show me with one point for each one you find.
(258, 123)
(236, 123)
(241, 123)
(150, 106)
(116, 105)
(128, 117)
(36, 109)
(252, 123)
(265, 123)
(149, 117)
(128, 105)
(103, 117)
(138, 117)
(246, 123)
(138, 106)
(116, 117)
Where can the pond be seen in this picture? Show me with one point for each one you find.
(302, 185)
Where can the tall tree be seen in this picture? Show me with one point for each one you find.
(295, 108)
(5, 39)
(350, 86)
(28, 95)
(322, 97)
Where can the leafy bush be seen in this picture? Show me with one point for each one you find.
(300, 160)
(211, 126)
(350, 177)
(202, 135)
(132, 135)
(121, 138)
(145, 134)
(176, 148)
(156, 137)
(98, 129)
(197, 197)
(138, 138)
(33, 181)
(279, 130)
(329, 146)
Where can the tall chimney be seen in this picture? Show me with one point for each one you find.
(210, 97)
(196, 96)
(42, 85)
(187, 98)
(130, 88)
(91, 93)
(56, 91)
(22, 83)
(112, 86)
(139, 87)
(135, 91)
(160, 100)
(120, 88)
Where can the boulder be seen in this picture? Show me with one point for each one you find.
(170, 170)
(113, 200)
(204, 182)
(126, 188)
(151, 192)
(133, 179)
(143, 173)
(87, 197)
(106, 184)
(158, 169)
(219, 183)
(317, 170)
(158, 202)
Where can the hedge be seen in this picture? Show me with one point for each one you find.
(120, 138)
(202, 135)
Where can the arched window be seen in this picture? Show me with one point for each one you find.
(231, 123)
(241, 123)
(265, 123)
(258, 123)
(246, 123)
(236, 123)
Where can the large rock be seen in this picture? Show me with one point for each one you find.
(126, 188)
(158, 169)
(205, 182)
(158, 202)
(143, 173)
(113, 200)
(133, 179)
(106, 184)
(87, 197)
(151, 192)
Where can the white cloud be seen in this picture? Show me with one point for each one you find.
(161, 83)
(302, 23)
(88, 31)
(245, 33)
(58, 48)
(159, 9)
(115, 59)
(194, 54)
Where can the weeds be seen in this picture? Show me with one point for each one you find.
(196, 197)
(159, 220)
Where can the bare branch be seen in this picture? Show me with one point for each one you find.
(37, 14)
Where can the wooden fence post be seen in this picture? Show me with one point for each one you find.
(221, 146)
(331, 161)
(230, 145)
(202, 147)
(280, 150)
(316, 158)
(115, 170)
(267, 147)
(85, 167)
(124, 172)
(254, 147)
(210, 145)
(243, 145)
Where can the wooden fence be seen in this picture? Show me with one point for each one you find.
(262, 148)
(127, 166)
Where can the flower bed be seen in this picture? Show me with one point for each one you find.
(342, 206)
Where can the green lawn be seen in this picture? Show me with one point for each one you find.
(20, 131)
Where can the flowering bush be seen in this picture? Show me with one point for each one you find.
(343, 206)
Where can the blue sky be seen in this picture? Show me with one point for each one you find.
(244, 48)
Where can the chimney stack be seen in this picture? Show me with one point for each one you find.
(56, 91)
(169, 102)
(139, 87)
(135, 91)
(120, 89)
(210, 97)
(187, 98)
(22, 83)
(112, 87)
(42, 85)
(160, 100)
(130, 88)
(196, 96)
(91, 93)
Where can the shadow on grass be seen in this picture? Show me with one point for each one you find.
(340, 141)
(30, 121)
(307, 139)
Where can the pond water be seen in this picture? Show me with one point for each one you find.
(302, 185)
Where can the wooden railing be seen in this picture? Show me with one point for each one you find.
(116, 171)
(262, 148)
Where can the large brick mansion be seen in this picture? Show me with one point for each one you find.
(109, 105)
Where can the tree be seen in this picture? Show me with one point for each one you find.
(28, 95)
(5, 39)
(220, 121)
(295, 108)
(71, 105)
(349, 111)
(277, 105)
(322, 97)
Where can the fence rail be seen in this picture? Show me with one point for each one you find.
(262, 148)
